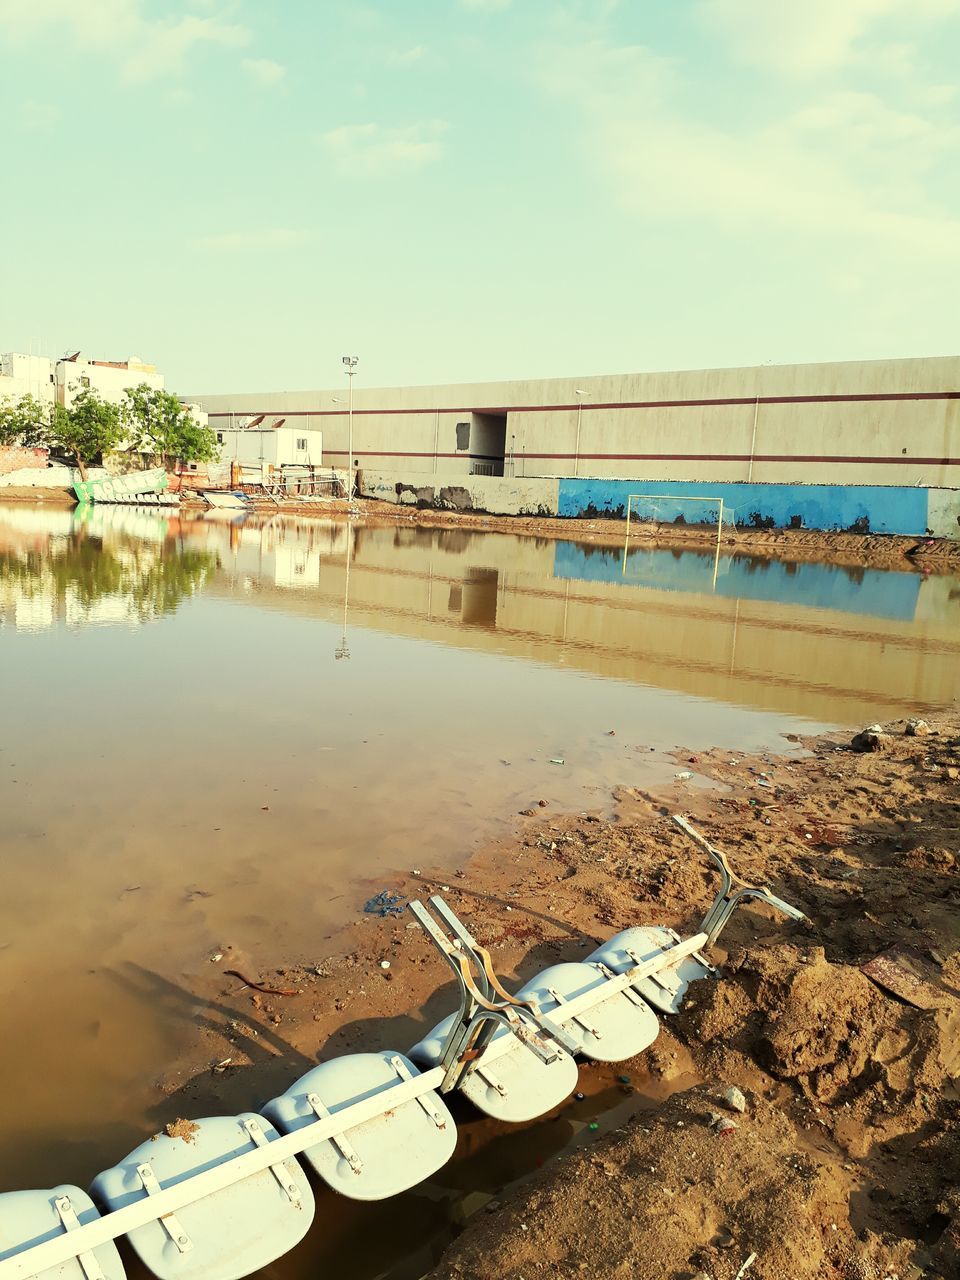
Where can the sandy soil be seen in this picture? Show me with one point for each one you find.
(846, 1163)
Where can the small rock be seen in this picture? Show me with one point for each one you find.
(952, 772)
(542, 804)
(734, 1099)
(917, 729)
(870, 739)
(726, 1126)
(384, 964)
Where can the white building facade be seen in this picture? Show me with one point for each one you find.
(61, 381)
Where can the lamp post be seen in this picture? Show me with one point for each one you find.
(350, 363)
(576, 452)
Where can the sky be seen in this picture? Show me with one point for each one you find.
(469, 190)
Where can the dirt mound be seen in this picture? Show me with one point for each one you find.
(876, 1066)
(670, 1196)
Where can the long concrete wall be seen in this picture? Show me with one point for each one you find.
(884, 422)
(890, 509)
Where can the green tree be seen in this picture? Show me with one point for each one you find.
(89, 428)
(25, 421)
(159, 424)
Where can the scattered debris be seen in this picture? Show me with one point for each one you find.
(385, 903)
(557, 760)
(746, 1267)
(180, 1128)
(872, 738)
(219, 1067)
(259, 986)
(384, 964)
(734, 1099)
(896, 971)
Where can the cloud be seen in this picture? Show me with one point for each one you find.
(405, 57)
(374, 151)
(816, 36)
(264, 71)
(841, 164)
(263, 240)
(145, 48)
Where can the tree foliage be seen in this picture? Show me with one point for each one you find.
(88, 429)
(25, 421)
(158, 423)
(148, 421)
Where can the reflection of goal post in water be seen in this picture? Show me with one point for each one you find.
(669, 508)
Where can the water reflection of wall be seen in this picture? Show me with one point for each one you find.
(499, 594)
(812, 641)
(877, 593)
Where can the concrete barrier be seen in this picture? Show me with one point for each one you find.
(496, 495)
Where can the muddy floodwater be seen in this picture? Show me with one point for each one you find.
(231, 733)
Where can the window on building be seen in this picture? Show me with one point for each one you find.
(301, 444)
(84, 380)
(219, 437)
(463, 436)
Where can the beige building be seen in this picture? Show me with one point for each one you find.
(883, 422)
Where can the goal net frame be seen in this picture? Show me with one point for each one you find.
(673, 498)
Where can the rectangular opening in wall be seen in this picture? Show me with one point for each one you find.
(463, 437)
(487, 443)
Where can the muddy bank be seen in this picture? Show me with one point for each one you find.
(52, 496)
(846, 1161)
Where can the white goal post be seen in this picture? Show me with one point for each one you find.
(657, 502)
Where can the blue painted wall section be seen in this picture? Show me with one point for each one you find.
(876, 593)
(859, 508)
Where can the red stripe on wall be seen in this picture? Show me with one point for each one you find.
(591, 406)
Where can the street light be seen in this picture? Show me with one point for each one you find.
(350, 363)
(576, 453)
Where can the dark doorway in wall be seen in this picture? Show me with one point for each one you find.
(488, 436)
